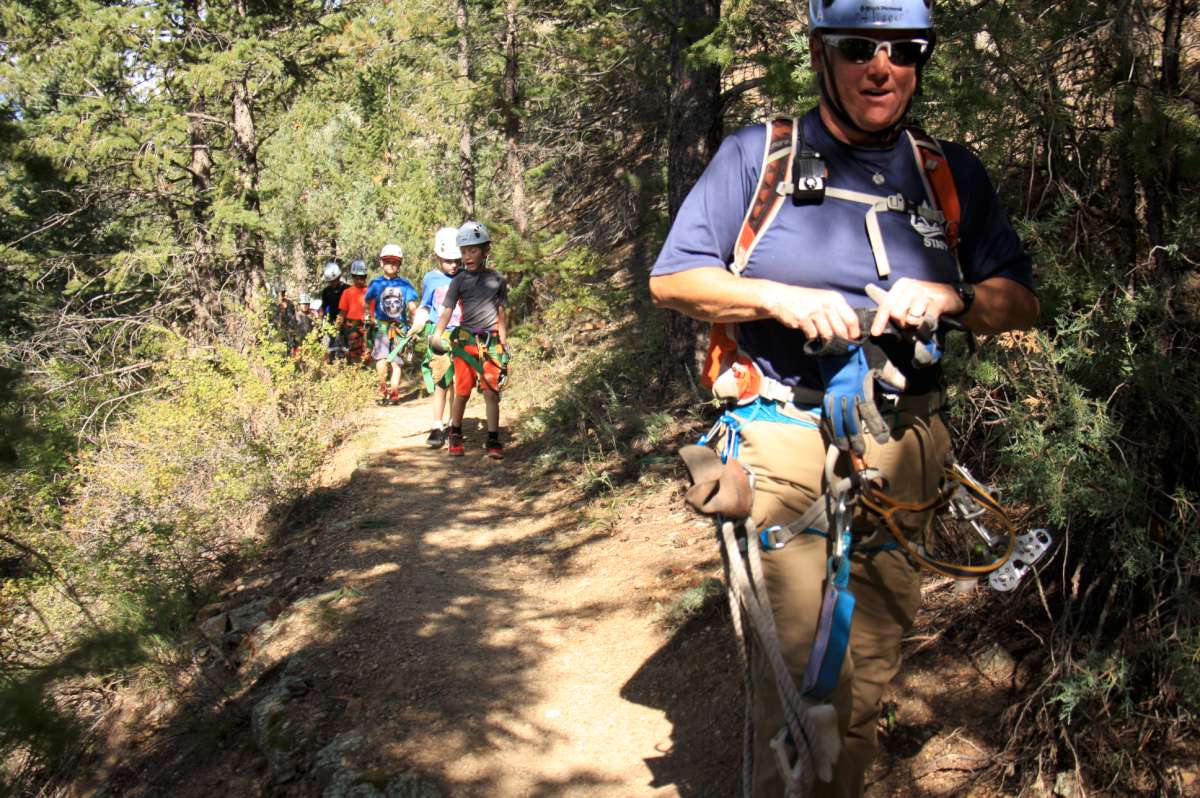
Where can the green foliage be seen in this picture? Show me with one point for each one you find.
(1092, 683)
(694, 602)
(128, 544)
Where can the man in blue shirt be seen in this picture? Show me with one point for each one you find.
(872, 227)
(391, 301)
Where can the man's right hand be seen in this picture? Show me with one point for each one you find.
(818, 313)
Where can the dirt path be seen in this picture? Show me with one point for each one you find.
(454, 622)
(507, 634)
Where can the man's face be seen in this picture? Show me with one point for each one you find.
(876, 93)
(473, 257)
(450, 267)
(390, 266)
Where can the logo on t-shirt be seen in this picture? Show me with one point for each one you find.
(391, 299)
(439, 303)
(933, 233)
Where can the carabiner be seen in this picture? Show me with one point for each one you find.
(841, 527)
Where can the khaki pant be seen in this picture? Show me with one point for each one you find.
(788, 462)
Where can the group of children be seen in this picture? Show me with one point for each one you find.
(460, 314)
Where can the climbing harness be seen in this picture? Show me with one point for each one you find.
(357, 345)
(963, 516)
(723, 487)
(396, 331)
(489, 351)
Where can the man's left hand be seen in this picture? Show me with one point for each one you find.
(911, 302)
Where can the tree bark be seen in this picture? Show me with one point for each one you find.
(466, 137)
(250, 270)
(1125, 117)
(206, 283)
(512, 120)
(694, 112)
(694, 130)
(1163, 197)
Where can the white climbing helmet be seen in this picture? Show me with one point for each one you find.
(472, 234)
(332, 270)
(391, 251)
(358, 268)
(445, 244)
(314, 305)
(305, 298)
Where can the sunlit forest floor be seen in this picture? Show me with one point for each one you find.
(456, 627)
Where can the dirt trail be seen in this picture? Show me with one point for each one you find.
(465, 624)
(509, 635)
(450, 620)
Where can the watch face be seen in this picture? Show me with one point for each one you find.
(966, 292)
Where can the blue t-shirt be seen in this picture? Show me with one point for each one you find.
(391, 296)
(433, 294)
(826, 245)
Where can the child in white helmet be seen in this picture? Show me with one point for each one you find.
(352, 313)
(391, 301)
(331, 296)
(437, 371)
(479, 343)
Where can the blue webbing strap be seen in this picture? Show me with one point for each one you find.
(734, 418)
(837, 606)
(833, 632)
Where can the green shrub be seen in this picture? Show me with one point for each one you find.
(130, 536)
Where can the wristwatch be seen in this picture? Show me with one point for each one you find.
(966, 292)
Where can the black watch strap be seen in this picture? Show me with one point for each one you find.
(966, 292)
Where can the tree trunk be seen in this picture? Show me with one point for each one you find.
(694, 130)
(465, 141)
(1163, 198)
(205, 282)
(1125, 118)
(512, 120)
(250, 269)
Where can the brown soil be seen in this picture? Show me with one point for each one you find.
(505, 638)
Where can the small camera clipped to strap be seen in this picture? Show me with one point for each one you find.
(808, 177)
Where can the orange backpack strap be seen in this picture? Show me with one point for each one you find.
(934, 168)
(727, 372)
(774, 183)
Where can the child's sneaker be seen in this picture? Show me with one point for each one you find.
(456, 447)
(494, 448)
(436, 439)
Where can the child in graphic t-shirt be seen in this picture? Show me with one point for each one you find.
(391, 299)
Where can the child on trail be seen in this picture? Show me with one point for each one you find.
(393, 301)
(352, 311)
(305, 321)
(331, 296)
(284, 319)
(480, 341)
(437, 371)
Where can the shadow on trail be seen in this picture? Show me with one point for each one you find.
(695, 679)
(409, 638)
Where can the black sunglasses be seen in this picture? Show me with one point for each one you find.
(861, 49)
